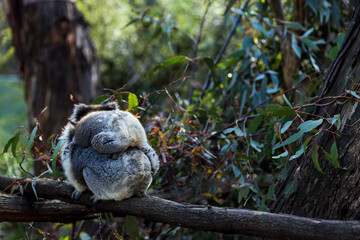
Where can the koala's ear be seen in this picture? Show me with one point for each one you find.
(108, 106)
(80, 110)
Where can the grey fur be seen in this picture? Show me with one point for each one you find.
(106, 150)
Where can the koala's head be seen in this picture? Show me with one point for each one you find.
(89, 120)
(81, 110)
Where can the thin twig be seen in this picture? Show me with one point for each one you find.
(196, 47)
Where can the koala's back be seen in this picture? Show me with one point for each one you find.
(118, 178)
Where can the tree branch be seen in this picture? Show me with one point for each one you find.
(21, 209)
(206, 218)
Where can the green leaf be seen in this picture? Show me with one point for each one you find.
(276, 111)
(297, 154)
(133, 101)
(11, 141)
(295, 46)
(333, 157)
(291, 187)
(354, 94)
(101, 99)
(32, 136)
(256, 145)
(294, 25)
(287, 101)
(307, 33)
(310, 44)
(284, 154)
(256, 24)
(315, 158)
(13, 146)
(243, 193)
(333, 52)
(210, 63)
(131, 22)
(313, 62)
(286, 126)
(271, 193)
(115, 93)
(289, 140)
(340, 39)
(132, 227)
(304, 146)
(309, 125)
(254, 124)
(236, 170)
(56, 151)
(33, 184)
(169, 62)
(335, 120)
(156, 33)
(335, 15)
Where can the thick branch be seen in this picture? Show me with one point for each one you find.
(19, 209)
(205, 218)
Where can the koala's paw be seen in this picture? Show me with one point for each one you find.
(116, 156)
(75, 195)
(151, 154)
(94, 199)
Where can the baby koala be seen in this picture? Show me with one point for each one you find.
(106, 150)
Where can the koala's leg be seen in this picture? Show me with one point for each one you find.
(72, 167)
(107, 183)
(109, 143)
(151, 154)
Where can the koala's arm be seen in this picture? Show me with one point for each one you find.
(109, 142)
(153, 157)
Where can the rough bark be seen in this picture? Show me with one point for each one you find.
(335, 194)
(207, 218)
(56, 58)
(290, 62)
(20, 209)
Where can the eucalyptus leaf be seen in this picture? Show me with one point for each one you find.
(315, 158)
(285, 127)
(309, 125)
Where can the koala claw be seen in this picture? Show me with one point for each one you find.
(141, 194)
(117, 155)
(94, 199)
(76, 194)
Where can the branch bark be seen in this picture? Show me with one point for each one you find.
(206, 218)
(21, 209)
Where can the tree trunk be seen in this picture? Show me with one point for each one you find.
(335, 194)
(57, 59)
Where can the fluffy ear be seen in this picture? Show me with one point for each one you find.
(81, 110)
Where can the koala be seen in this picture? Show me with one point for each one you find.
(106, 150)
